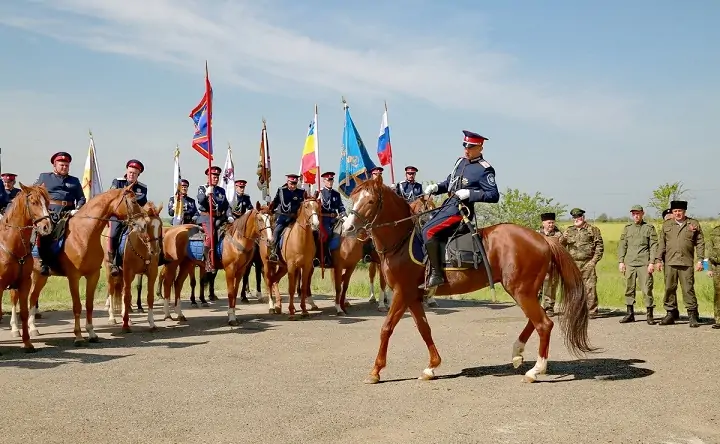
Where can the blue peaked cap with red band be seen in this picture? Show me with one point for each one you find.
(471, 138)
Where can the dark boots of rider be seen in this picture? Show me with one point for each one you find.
(114, 270)
(44, 269)
(694, 318)
(630, 316)
(435, 258)
(650, 318)
(208, 259)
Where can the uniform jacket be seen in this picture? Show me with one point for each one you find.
(677, 242)
(585, 244)
(190, 211)
(220, 202)
(331, 202)
(554, 233)
(712, 246)
(244, 203)
(139, 188)
(638, 244)
(65, 191)
(476, 175)
(288, 202)
(409, 191)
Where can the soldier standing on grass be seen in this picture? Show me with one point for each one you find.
(636, 250)
(713, 254)
(678, 238)
(549, 288)
(584, 242)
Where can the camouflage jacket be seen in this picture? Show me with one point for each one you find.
(554, 233)
(712, 246)
(677, 242)
(638, 244)
(585, 244)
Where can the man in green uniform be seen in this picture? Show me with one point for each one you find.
(679, 237)
(713, 254)
(549, 288)
(585, 244)
(636, 253)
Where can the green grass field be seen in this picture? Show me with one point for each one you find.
(611, 286)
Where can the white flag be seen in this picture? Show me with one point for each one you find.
(228, 177)
(178, 210)
(91, 181)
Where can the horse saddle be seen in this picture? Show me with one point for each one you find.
(52, 243)
(461, 249)
(196, 242)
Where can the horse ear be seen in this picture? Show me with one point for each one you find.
(23, 187)
(257, 205)
(159, 208)
(317, 193)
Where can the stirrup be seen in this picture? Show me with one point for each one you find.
(367, 259)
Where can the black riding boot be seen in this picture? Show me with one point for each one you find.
(630, 316)
(44, 269)
(114, 270)
(650, 318)
(694, 318)
(669, 319)
(435, 258)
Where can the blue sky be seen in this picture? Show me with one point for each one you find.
(592, 104)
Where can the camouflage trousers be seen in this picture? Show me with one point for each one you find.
(685, 276)
(549, 290)
(590, 280)
(716, 284)
(638, 274)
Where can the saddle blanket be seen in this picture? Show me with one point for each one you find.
(461, 252)
(196, 247)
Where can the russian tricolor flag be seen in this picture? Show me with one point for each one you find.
(384, 150)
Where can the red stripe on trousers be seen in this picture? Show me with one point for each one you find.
(442, 225)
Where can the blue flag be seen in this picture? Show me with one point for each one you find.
(355, 163)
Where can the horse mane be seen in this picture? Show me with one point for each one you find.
(240, 223)
(377, 187)
(12, 211)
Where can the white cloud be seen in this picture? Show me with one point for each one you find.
(252, 51)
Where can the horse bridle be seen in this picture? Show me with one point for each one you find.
(35, 221)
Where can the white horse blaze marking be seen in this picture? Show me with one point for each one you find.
(266, 223)
(350, 221)
(315, 220)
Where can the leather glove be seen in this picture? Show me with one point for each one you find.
(231, 219)
(209, 190)
(432, 188)
(462, 194)
(72, 212)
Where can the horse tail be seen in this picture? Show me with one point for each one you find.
(572, 304)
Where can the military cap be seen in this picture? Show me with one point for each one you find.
(378, 168)
(636, 208)
(292, 178)
(547, 216)
(241, 182)
(577, 212)
(666, 212)
(411, 169)
(185, 182)
(9, 176)
(678, 205)
(134, 163)
(214, 170)
(472, 139)
(61, 156)
(328, 175)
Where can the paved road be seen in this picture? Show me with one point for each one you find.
(272, 380)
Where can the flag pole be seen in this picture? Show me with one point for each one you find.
(347, 170)
(317, 153)
(211, 198)
(392, 168)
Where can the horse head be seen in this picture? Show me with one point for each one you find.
(37, 201)
(124, 205)
(153, 234)
(370, 200)
(263, 221)
(310, 211)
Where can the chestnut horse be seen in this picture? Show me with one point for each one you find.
(422, 205)
(297, 254)
(140, 257)
(28, 211)
(82, 252)
(518, 256)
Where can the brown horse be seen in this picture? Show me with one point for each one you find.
(420, 205)
(297, 254)
(140, 257)
(28, 211)
(520, 257)
(82, 252)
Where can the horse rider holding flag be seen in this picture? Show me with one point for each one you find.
(190, 211)
(472, 180)
(133, 169)
(286, 204)
(212, 194)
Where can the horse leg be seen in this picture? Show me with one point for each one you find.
(38, 283)
(338, 281)
(211, 285)
(280, 272)
(346, 284)
(386, 290)
(293, 275)
(193, 283)
(91, 283)
(232, 283)
(543, 325)
(204, 281)
(258, 266)
(152, 276)
(14, 303)
(421, 322)
(139, 293)
(371, 274)
(384, 301)
(127, 298)
(21, 294)
(178, 285)
(395, 313)
(269, 285)
(305, 277)
(245, 285)
(519, 345)
(166, 277)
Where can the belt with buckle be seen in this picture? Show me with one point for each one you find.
(62, 203)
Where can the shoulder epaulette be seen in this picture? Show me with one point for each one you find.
(120, 178)
(142, 184)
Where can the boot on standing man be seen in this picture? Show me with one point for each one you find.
(679, 239)
(636, 250)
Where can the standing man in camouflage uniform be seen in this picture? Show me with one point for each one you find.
(636, 252)
(713, 254)
(679, 237)
(549, 288)
(585, 244)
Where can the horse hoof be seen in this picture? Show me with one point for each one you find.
(315, 308)
(517, 361)
(34, 333)
(126, 330)
(168, 317)
(347, 304)
(304, 314)
(291, 317)
(29, 349)
(140, 310)
(340, 313)
(15, 334)
(94, 339)
(382, 309)
(528, 379)
(278, 310)
(205, 304)
(372, 300)
(432, 304)
(80, 343)
(38, 315)
(271, 311)
(181, 318)
(244, 301)
(233, 323)
(153, 329)
(372, 379)
(427, 375)
(194, 305)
